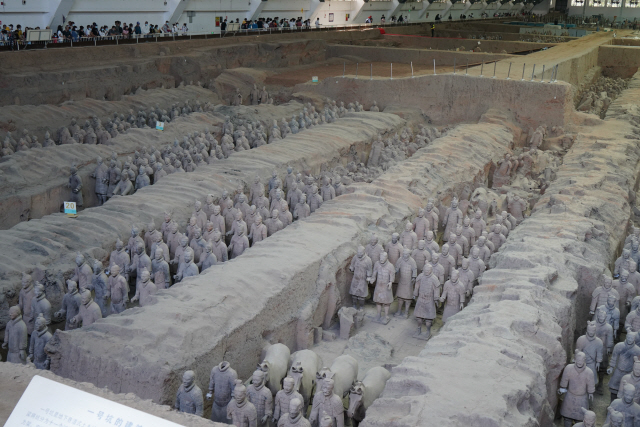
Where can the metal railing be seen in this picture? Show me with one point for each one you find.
(547, 73)
(164, 37)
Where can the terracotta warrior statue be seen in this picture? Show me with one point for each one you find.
(613, 314)
(221, 383)
(188, 268)
(40, 305)
(466, 277)
(407, 271)
(240, 411)
(430, 244)
(496, 237)
(438, 269)
(254, 95)
(101, 175)
(258, 231)
(421, 255)
(604, 331)
(159, 244)
(140, 262)
(374, 249)
(70, 306)
(478, 223)
(274, 224)
(89, 310)
(632, 378)
(621, 362)
(453, 296)
(408, 238)
(302, 209)
(260, 396)
(327, 191)
(160, 270)
(447, 262)
(626, 405)
(426, 292)
(99, 287)
(27, 294)
(325, 401)
(239, 243)
(117, 290)
(589, 419)
(469, 233)
(593, 348)
(601, 293)
(626, 291)
(383, 276)
(207, 259)
(452, 217)
(394, 249)
(462, 240)
(15, 337)
(39, 339)
(455, 249)
(421, 225)
(219, 247)
(484, 253)
(237, 98)
(189, 396)
(75, 184)
(83, 273)
(125, 186)
(625, 262)
(282, 403)
(578, 385)
(295, 418)
(614, 418)
(433, 215)
(476, 265)
(362, 268)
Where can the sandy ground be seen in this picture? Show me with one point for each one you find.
(379, 70)
(382, 70)
(518, 67)
(398, 333)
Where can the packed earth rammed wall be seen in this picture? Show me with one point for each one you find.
(278, 290)
(32, 186)
(515, 336)
(447, 98)
(148, 65)
(414, 55)
(47, 247)
(47, 117)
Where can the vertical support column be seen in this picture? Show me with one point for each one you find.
(314, 9)
(395, 9)
(255, 9)
(357, 11)
(446, 10)
(62, 9)
(175, 8)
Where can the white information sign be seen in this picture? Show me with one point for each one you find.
(49, 403)
(70, 208)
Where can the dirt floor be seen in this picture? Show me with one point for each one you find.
(398, 334)
(519, 67)
(379, 70)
